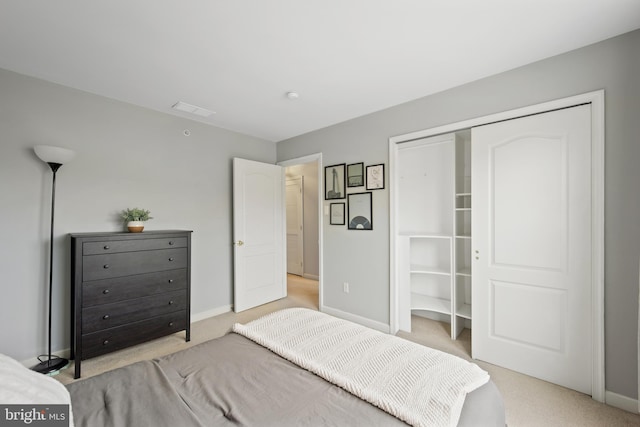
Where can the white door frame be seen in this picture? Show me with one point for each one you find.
(317, 157)
(596, 99)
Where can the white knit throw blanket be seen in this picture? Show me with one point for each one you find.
(417, 384)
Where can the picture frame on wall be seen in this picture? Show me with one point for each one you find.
(375, 177)
(336, 215)
(334, 182)
(359, 211)
(355, 175)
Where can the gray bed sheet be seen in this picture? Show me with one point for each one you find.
(232, 381)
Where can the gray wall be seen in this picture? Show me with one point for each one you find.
(311, 256)
(126, 157)
(363, 257)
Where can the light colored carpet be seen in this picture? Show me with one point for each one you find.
(528, 401)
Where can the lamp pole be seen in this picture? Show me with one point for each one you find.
(54, 157)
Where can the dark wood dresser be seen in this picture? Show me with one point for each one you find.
(128, 288)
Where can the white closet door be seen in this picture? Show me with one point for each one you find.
(531, 181)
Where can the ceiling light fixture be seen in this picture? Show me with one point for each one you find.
(293, 95)
(192, 109)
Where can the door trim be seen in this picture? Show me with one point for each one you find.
(317, 157)
(596, 99)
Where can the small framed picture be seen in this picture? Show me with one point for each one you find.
(334, 180)
(355, 175)
(359, 211)
(336, 216)
(375, 177)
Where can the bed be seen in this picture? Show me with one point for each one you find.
(295, 367)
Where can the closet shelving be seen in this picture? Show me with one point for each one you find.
(462, 237)
(431, 272)
(434, 233)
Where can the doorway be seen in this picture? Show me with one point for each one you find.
(304, 226)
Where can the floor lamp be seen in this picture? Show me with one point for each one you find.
(54, 157)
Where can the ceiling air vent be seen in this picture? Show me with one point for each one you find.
(192, 109)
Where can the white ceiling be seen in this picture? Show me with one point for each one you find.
(345, 58)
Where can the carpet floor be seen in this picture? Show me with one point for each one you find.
(528, 401)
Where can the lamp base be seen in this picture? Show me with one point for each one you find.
(49, 367)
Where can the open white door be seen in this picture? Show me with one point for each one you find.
(532, 241)
(258, 233)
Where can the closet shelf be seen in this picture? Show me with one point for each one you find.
(424, 302)
(424, 235)
(429, 269)
(464, 272)
(464, 310)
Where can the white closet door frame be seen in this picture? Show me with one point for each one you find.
(596, 99)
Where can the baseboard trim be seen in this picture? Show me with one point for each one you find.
(621, 402)
(211, 313)
(379, 326)
(311, 276)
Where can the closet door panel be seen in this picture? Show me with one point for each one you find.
(531, 180)
(528, 190)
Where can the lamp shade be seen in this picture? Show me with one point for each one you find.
(51, 154)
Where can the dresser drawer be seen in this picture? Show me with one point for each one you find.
(108, 316)
(107, 291)
(95, 267)
(113, 339)
(115, 246)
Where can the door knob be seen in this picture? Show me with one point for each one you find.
(239, 243)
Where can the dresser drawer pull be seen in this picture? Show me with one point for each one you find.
(106, 247)
(170, 280)
(106, 266)
(170, 242)
(170, 324)
(106, 291)
(170, 259)
(105, 342)
(171, 302)
(105, 317)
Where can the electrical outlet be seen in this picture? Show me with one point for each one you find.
(345, 287)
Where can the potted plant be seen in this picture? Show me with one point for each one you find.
(135, 219)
